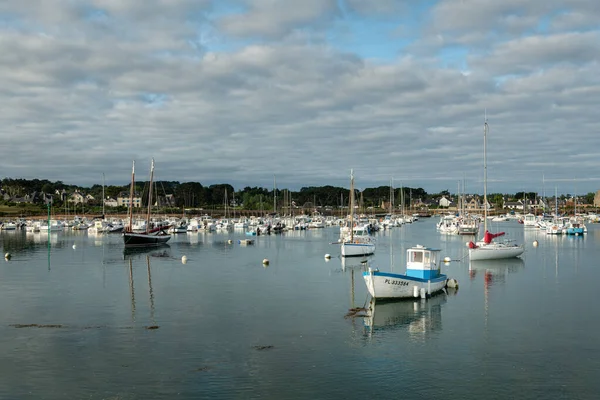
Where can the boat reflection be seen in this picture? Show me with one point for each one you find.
(150, 291)
(495, 271)
(139, 252)
(355, 262)
(419, 317)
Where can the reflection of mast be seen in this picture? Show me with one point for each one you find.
(556, 260)
(150, 289)
(131, 290)
(487, 281)
(352, 288)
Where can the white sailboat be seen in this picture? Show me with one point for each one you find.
(487, 249)
(358, 242)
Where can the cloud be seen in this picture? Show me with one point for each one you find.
(87, 88)
(275, 19)
(377, 7)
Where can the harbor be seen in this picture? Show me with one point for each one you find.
(208, 315)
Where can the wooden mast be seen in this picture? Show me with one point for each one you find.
(130, 227)
(150, 197)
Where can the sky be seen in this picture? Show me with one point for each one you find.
(245, 91)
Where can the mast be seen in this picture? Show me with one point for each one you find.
(485, 130)
(555, 203)
(544, 192)
(103, 195)
(150, 196)
(458, 199)
(391, 198)
(351, 205)
(274, 196)
(225, 201)
(130, 228)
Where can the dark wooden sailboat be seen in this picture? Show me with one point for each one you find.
(152, 237)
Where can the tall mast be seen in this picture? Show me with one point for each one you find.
(103, 195)
(351, 205)
(274, 196)
(485, 130)
(544, 192)
(150, 196)
(391, 198)
(458, 202)
(130, 229)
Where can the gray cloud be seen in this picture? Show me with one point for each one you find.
(131, 86)
(378, 7)
(275, 19)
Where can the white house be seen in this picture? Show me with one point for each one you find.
(445, 202)
(110, 202)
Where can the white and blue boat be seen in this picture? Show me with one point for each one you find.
(422, 274)
(576, 228)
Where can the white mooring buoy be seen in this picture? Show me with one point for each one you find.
(447, 259)
(184, 260)
(74, 246)
(7, 256)
(535, 243)
(229, 241)
(266, 261)
(467, 244)
(327, 256)
(452, 283)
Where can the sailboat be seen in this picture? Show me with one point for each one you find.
(487, 249)
(151, 237)
(357, 242)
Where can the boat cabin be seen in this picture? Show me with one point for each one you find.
(422, 262)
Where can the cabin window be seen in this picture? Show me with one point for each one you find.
(426, 254)
(417, 256)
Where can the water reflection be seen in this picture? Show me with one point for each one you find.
(419, 317)
(139, 252)
(355, 262)
(495, 271)
(20, 241)
(150, 289)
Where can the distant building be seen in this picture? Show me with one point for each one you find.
(513, 205)
(445, 202)
(597, 199)
(123, 200)
(472, 203)
(110, 202)
(77, 198)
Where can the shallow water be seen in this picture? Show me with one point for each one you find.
(228, 327)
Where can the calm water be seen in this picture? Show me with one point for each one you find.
(229, 327)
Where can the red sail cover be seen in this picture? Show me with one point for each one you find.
(487, 238)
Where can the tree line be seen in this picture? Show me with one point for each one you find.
(196, 195)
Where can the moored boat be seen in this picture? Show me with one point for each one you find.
(422, 274)
(358, 242)
(486, 249)
(151, 237)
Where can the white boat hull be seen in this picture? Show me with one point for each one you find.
(384, 285)
(357, 249)
(495, 251)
